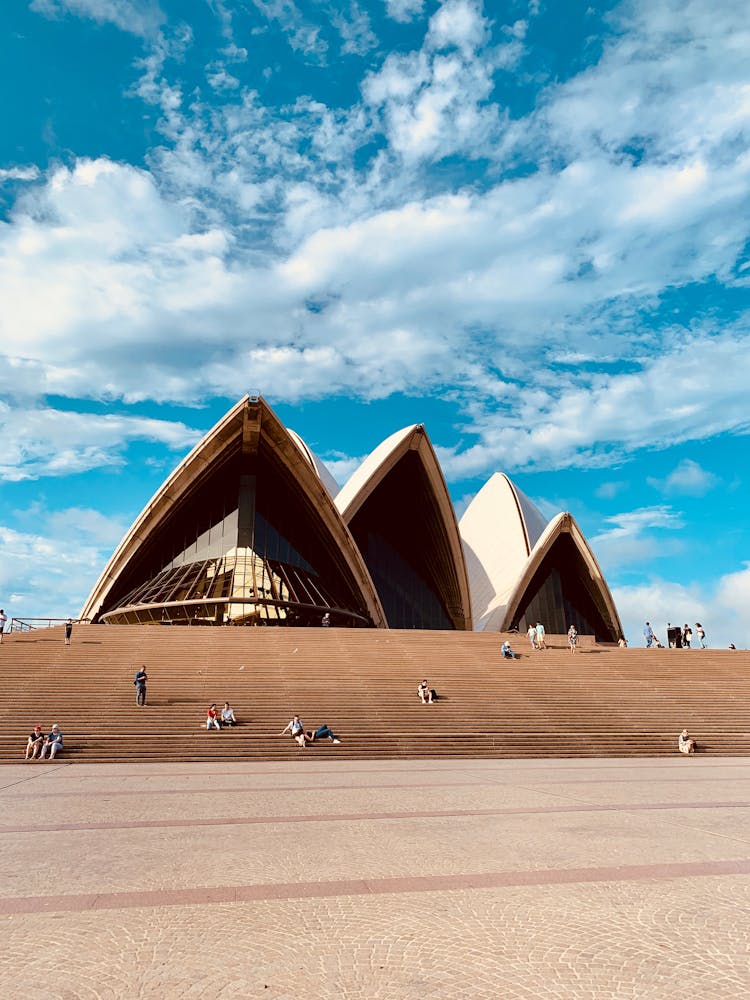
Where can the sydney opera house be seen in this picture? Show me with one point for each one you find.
(252, 529)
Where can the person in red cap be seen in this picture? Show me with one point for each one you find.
(34, 743)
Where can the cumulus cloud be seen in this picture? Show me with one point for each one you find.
(637, 535)
(312, 250)
(51, 563)
(687, 477)
(139, 17)
(29, 172)
(404, 10)
(45, 442)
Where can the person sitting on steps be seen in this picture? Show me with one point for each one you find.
(685, 744)
(34, 743)
(296, 730)
(506, 652)
(426, 694)
(212, 717)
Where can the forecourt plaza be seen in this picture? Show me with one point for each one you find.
(377, 879)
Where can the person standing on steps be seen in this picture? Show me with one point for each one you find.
(3, 620)
(648, 634)
(68, 631)
(699, 631)
(532, 636)
(573, 639)
(540, 640)
(141, 677)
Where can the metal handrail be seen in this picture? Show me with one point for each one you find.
(25, 624)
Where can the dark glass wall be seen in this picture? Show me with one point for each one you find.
(401, 536)
(562, 594)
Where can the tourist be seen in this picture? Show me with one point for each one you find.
(684, 743)
(687, 636)
(325, 621)
(426, 693)
(648, 633)
(34, 743)
(296, 730)
(532, 636)
(68, 631)
(52, 744)
(227, 715)
(540, 640)
(212, 717)
(622, 642)
(572, 638)
(701, 633)
(323, 732)
(141, 677)
(3, 620)
(507, 652)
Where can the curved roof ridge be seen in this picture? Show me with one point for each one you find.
(324, 473)
(374, 465)
(562, 522)
(499, 529)
(249, 419)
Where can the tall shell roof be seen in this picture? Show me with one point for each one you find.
(499, 529)
(324, 473)
(444, 563)
(248, 426)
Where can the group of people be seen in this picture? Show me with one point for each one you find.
(677, 636)
(39, 745)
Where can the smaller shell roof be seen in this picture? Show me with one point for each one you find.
(361, 476)
(499, 529)
(324, 473)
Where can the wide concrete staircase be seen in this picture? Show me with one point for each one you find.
(602, 701)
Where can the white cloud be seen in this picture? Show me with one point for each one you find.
(301, 34)
(51, 567)
(257, 248)
(404, 10)
(45, 442)
(139, 17)
(720, 606)
(26, 173)
(687, 477)
(609, 490)
(355, 29)
(637, 535)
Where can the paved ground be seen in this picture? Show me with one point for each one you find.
(382, 881)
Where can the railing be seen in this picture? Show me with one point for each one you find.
(29, 624)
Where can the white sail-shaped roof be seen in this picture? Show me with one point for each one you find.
(446, 558)
(324, 473)
(499, 529)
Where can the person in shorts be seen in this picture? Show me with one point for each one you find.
(34, 743)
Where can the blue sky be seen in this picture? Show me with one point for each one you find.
(525, 225)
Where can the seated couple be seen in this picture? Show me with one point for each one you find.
(216, 719)
(41, 745)
(301, 736)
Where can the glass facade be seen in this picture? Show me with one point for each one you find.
(400, 533)
(245, 546)
(562, 593)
